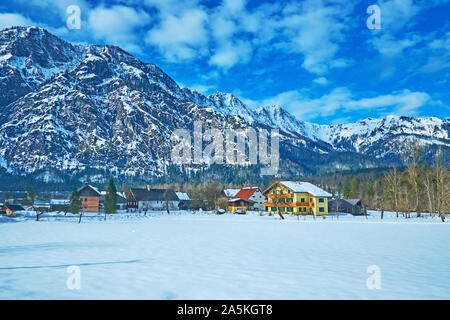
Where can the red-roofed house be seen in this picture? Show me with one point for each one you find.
(253, 200)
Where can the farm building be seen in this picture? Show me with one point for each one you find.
(352, 206)
(142, 199)
(254, 194)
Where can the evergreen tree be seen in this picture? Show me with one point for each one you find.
(354, 187)
(111, 198)
(75, 202)
(346, 188)
(31, 195)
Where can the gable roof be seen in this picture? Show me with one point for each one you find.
(302, 187)
(230, 193)
(153, 194)
(353, 202)
(182, 196)
(90, 188)
(246, 193)
(14, 207)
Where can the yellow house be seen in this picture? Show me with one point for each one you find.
(292, 197)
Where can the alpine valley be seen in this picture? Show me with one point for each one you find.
(69, 111)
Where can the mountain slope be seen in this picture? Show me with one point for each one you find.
(75, 108)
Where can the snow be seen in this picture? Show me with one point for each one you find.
(206, 256)
(182, 196)
(306, 187)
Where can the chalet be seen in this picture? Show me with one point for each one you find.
(238, 205)
(142, 199)
(11, 208)
(293, 197)
(352, 206)
(90, 198)
(254, 194)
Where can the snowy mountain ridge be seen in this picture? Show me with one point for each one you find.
(73, 107)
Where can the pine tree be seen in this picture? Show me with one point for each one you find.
(31, 195)
(346, 188)
(75, 202)
(111, 198)
(354, 187)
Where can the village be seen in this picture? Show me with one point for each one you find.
(281, 197)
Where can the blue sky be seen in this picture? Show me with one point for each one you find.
(316, 58)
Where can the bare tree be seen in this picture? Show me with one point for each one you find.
(429, 184)
(414, 173)
(393, 183)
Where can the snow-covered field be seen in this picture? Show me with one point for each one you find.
(206, 256)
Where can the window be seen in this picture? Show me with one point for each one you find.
(321, 200)
(310, 200)
(282, 209)
(290, 209)
(289, 191)
(321, 209)
(274, 191)
(273, 209)
(302, 200)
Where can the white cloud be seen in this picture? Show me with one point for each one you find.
(180, 37)
(396, 14)
(343, 101)
(390, 46)
(321, 81)
(13, 19)
(229, 54)
(315, 29)
(117, 25)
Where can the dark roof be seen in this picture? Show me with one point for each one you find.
(14, 207)
(153, 194)
(88, 190)
(354, 202)
(343, 203)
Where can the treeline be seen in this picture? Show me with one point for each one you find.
(417, 187)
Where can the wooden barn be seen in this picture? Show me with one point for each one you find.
(352, 206)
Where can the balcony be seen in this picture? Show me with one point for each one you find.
(282, 196)
(289, 204)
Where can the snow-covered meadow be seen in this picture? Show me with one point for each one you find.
(188, 255)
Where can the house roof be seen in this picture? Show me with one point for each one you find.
(153, 194)
(230, 193)
(182, 196)
(94, 189)
(59, 201)
(14, 207)
(353, 202)
(302, 187)
(246, 193)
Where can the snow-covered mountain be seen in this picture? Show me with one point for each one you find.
(381, 138)
(73, 108)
